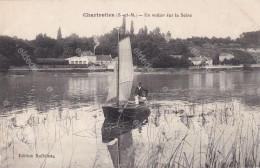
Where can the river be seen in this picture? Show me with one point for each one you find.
(197, 119)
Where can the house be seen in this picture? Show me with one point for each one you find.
(226, 56)
(253, 50)
(84, 58)
(87, 57)
(81, 60)
(200, 60)
(196, 60)
(103, 59)
(176, 56)
(112, 64)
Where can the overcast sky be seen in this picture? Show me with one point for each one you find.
(219, 18)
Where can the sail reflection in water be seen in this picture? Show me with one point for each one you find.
(117, 132)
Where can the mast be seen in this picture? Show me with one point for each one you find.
(119, 158)
(118, 67)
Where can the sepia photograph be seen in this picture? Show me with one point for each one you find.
(129, 84)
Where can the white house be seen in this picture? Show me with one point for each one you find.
(226, 56)
(84, 58)
(253, 50)
(103, 59)
(196, 60)
(199, 60)
(112, 64)
(87, 57)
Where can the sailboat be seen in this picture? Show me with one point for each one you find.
(121, 85)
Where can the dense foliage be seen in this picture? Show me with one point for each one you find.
(154, 46)
(4, 64)
(242, 57)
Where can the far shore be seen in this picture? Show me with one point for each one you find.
(140, 70)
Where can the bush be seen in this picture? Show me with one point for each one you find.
(4, 64)
(247, 67)
(169, 62)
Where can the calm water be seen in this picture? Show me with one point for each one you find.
(60, 114)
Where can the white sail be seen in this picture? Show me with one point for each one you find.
(112, 92)
(126, 70)
(126, 73)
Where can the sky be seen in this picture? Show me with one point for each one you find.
(220, 18)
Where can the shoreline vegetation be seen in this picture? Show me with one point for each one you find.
(214, 146)
(151, 49)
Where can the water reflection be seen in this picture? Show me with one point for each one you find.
(118, 130)
(77, 90)
(209, 80)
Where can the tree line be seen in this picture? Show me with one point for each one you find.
(157, 47)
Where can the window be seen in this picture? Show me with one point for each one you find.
(84, 62)
(72, 62)
(80, 62)
(76, 62)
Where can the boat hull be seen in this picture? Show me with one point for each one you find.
(116, 113)
(119, 121)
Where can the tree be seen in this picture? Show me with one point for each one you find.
(4, 64)
(249, 38)
(156, 31)
(123, 27)
(145, 30)
(132, 28)
(216, 60)
(177, 47)
(71, 44)
(168, 36)
(44, 46)
(10, 47)
(141, 30)
(108, 43)
(59, 36)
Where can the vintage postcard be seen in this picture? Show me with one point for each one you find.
(129, 84)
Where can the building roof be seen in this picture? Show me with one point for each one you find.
(87, 53)
(72, 57)
(115, 59)
(196, 58)
(104, 58)
(50, 60)
(225, 54)
(208, 58)
(98, 57)
(176, 56)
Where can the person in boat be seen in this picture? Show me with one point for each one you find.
(140, 93)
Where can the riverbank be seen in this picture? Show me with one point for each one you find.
(142, 70)
(226, 66)
(72, 70)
